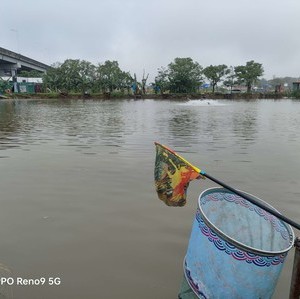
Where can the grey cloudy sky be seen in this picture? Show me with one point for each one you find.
(149, 34)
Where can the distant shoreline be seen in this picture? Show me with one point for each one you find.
(167, 96)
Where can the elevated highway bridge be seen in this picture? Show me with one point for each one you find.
(12, 63)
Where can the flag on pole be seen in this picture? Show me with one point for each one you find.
(172, 175)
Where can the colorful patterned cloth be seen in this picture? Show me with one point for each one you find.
(172, 175)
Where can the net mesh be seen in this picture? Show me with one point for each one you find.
(172, 176)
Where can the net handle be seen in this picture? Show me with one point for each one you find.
(253, 200)
(249, 198)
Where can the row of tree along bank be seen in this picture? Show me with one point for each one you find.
(182, 76)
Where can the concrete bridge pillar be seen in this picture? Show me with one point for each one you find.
(10, 68)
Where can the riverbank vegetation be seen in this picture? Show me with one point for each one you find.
(181, 76)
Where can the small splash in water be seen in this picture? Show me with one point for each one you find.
(202, 102)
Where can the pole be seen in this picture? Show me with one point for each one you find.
(295, 281)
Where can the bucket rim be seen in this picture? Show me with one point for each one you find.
(236, 242)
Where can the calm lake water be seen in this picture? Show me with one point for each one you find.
(77, 193)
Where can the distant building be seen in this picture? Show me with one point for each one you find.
(21, 85)
(23, 79)
(239, 89)
(296, 86)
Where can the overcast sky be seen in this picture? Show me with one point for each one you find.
(145, 35)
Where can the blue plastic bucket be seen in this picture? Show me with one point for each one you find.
(236, 249)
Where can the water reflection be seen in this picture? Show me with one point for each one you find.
(182, 126)
(87, 125)
(9, 124)
(245, 127)
(71, 123)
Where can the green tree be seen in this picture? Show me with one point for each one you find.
(87, 75)
(184, 75)
(30, 74)
(249, 73)
(161, 80)
(52, 79)
(215, 73)
(110, 76)
(125, 81)
(230, 79)
(72, 75)
(77, 75)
